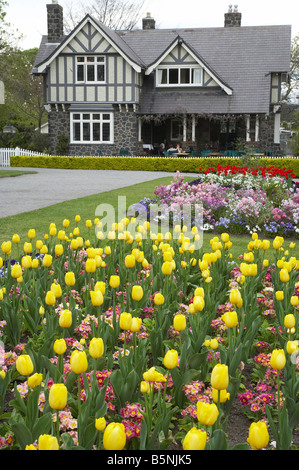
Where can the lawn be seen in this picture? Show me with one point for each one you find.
(40, 219)
(13, 173)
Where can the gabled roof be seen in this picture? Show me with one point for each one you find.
(196, 57)
(49, 51)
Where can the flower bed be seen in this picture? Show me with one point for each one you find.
(237, 200)
(140, 343)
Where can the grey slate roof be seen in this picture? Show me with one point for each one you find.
(243, 57)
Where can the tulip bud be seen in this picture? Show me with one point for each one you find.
(16, 271)
(235, 296)
(96, 348)
(47, 442)
(279, 295)
(137, 293)
(58, 396)
(207, 413)
(58, 250)
(56, 289)
(96, 298)
(100, 424)
(258, 437)
(114, 281)
(78, 361)
(144, 387)
(70, 279)
(195, 439)
(292, 347)
(114, 437)
(60, 346)
(224, 396)
(90, 265)
(278, 359)
(158, 299)
(50, 298)
(171, 359)
(130, 261)
(136, 324)
(179, 322)
(125, 321)
(24, 365)
(34, 380)
(167, 268)
(47, 260)
(65, 318)
(219, 377)
(284, 275)
(294, 300)
(230, 319)
(289, 321)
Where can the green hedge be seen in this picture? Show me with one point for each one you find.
(184, 165)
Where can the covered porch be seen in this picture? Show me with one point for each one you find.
(200, 135)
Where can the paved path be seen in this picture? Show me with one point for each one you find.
(51, 186)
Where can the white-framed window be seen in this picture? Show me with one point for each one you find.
(90, 69)
(179, 76)
(92, 127)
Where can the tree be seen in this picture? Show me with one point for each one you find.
(291, 87)
(9, 37)
(116, 14)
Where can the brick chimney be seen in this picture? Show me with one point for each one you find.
(55, 21)
(148, 22)
(233, 17)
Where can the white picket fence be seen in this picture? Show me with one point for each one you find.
(5, 154)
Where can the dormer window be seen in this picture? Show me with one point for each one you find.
(90, 69)
(179, 76)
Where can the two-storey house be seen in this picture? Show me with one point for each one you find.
(205, 88)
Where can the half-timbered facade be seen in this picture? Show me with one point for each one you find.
(205, 88)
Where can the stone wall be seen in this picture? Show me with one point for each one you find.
(266, 135)
(125, 134)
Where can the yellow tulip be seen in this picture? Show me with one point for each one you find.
(26, 262)
(278, 359)
(294, 300)
(219, 377)
(224, 396)
(60, 346)
(35, 380)
(65, 318)
(50, 298)
(130, 261)
(289, 321)
(6, 247)
(56, 289)
(284, 275)
(235, 296)
(230, 319)
(31, 233)
(144, 387)
(96, 348)
(292, 347)
(199, 303)
(125, 321)
(47, 260)
(24, 365)
(101, 286)
(58, 249)
(207, 413)
(78, 361)
(258, 437)
(16, 271)
(167, 268)
(158, 299)
(96, 298)
(47, 442)
(114, 281)
(100, 424)
(171, 359)
(137, 293)
(58, 396)
(114, 436)
(279, 295)
(179, 322)
(27, 248)
(195, 439)
(70, 279)
(16, 238)
(90, 265)
(151, 375)
(136, 324)
(35, 263)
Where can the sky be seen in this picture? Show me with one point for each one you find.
(29, 17)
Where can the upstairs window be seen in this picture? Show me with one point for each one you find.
(90, 69)
(179, 76)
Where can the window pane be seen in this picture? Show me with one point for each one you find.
(90, 73)
(96, 132)
(96, 117)
(86, 131)
(86, 117)
(196, 76)
(106, 117)
(162, 76)
(90, 59)
(76, 116)
(185, 76)
(80, 59)
(76, 130)
(100, 59)
(80, 73)
(100, 73)
(173, 76)
(106, 132)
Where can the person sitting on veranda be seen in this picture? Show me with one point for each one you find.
(171, 148)
(161, 150)
(179, 148)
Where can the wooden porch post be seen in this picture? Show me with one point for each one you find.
(193, 128)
